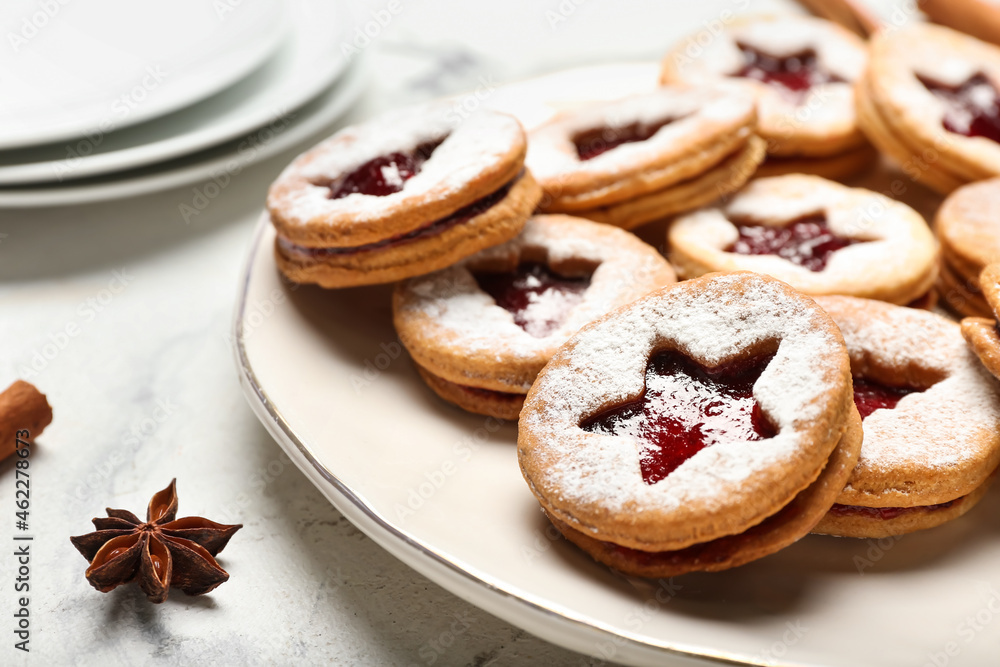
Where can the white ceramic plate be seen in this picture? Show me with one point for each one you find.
(79, 68)
(308, 60)
(441, 490)
(280, 134)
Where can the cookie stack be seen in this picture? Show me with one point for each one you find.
(406, 193)
(819, 236)
(801, 72)
(701, 427)
(929, 98)
(983, 333)
(927, 406)
(646, 157)
(968, 227)
(480, 331)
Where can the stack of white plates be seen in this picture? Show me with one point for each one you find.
(114, 98)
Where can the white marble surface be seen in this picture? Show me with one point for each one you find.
(144, 389)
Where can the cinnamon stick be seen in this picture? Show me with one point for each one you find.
(22, 408)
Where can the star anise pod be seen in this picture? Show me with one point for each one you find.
(160, 553)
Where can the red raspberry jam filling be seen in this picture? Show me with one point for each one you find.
(888, 512)
(598, 141)
(539, 299)
(460, 216)
(685, 408)
(808, 242)
(794, 75)
(384, 175)
(973, 107)
(870, 395)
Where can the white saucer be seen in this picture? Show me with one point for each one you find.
(230, 158)
(75, 69)
(307, 61)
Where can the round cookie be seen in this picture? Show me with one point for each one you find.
(480, 331)
(690, 415)
(978, 18)
(801, 71)
(407, 193)
(968, 226)
(982, 334)
(960, 294)
(931, 420)
(818, 236)
(647, 156)
(931, 94)
(769, 536)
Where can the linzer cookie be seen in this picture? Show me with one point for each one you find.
(982, 333)
(818, 236)
(701, 427)
(407, 193)
(481, 331)
(968, 227)
(929, 99)
(978, 18)
(801, 71)
(931, 421)
(646, 157)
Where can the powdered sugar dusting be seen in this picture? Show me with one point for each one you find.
(898, 245)
(459, 311)
(472, 146)
(605, 365)
(939, 429)
(551, 151)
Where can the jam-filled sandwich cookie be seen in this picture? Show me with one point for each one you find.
(983, 333)
(968, 227)
(404, 194)
(646, 157)
(929, 98)
(801, 71)
(978, 18)
(481, 331)
(818, 236)
(699, 428)
(931, 421)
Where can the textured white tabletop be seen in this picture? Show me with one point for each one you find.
(144, 389)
